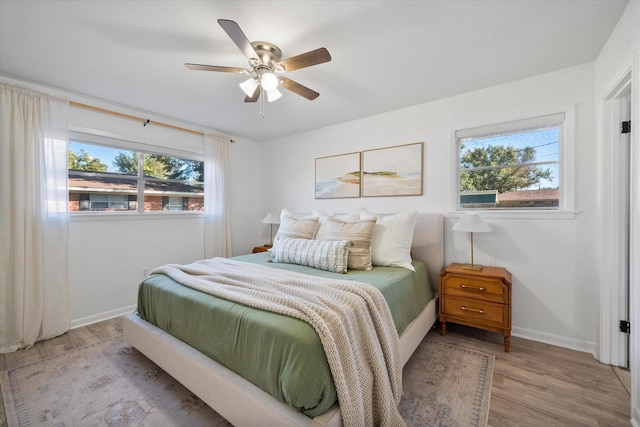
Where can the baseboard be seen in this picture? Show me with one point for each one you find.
(84, 321)
(558, 340)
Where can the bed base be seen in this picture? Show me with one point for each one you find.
(236, 399)
(240, 401)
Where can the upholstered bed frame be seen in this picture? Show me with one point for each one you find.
(241, 402)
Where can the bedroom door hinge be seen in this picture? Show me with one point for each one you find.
(625, 127)
(625, 327)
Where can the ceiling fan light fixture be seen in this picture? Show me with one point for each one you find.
(269, 82)
(273, 95)
(265, 59)
(249, 86)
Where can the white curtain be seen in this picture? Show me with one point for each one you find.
(34, 302)
(217, 209)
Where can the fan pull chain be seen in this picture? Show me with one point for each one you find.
(261, 102)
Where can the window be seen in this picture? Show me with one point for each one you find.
(513, 165)
(108, 176)
(173, 184)
(108, 202)
(174, 204)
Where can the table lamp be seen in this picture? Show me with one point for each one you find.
(271, 218)
(472, 223)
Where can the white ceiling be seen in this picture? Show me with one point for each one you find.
(386, 55)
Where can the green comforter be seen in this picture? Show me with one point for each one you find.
(279, 354)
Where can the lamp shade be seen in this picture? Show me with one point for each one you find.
(269, 82)
(273, 95)
(249, 86)
(271, 218)
(473, 223)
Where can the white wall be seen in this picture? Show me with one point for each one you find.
(108, 253)
(249, 175)
(107, 258)
(620, 54)
(555, 284)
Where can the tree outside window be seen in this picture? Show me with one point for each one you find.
(99, 172)
(506, 167)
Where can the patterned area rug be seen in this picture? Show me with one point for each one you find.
(112, 384)
(446, 386)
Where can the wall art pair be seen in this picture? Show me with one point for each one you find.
(381, 172)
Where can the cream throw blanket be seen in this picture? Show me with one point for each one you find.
(352, 319)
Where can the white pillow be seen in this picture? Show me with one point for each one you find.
(392, 238)
(330, 255)
(321, 233)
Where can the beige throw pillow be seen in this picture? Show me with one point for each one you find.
(324, 216)
(295, 228)
(359, 234)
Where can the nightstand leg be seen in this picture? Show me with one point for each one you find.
(507, 343)
(443, 331)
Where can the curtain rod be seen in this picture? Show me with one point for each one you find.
(140, 119)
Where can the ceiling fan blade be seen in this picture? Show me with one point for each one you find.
(314, 57)
(233, 30)
(254, 97)
(298, 88)
(202, 67)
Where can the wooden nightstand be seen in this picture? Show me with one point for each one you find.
(263, 248)
(478, 298)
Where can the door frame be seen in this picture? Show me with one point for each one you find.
(615, 262)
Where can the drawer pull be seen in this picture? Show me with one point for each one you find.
(481, 289)
(474, 310)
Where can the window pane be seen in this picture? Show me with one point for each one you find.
(492, 198)
(95, 206)
(175, 204)
(107, 202)
(118, 202)
(515, 169)
(173, 184)
(106, 179)
(105, 176)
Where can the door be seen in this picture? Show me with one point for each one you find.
(616, 225)
(625, 218)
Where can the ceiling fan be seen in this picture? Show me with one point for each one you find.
(265, 62)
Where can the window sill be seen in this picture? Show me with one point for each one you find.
(132, 216)
(518, 214)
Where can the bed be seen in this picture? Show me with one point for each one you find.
(239, 400)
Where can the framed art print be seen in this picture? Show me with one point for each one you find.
(392, 171)
(338, 176)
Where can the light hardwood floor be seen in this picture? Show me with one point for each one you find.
(533, 385)
(538, 384)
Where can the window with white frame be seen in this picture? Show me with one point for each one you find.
(108, 202)
(174, 203)
(108, 175)
(511, 165)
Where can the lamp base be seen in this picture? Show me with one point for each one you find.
(475, 267)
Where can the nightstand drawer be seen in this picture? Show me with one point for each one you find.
(487, 289)
(476, 311)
